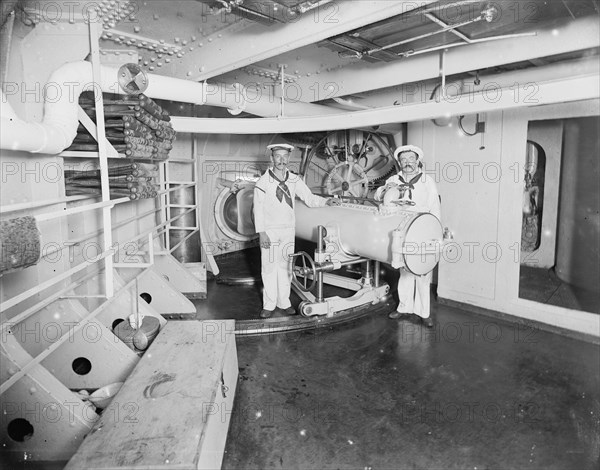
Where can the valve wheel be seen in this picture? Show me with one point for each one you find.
(306, 267)
(347, 179)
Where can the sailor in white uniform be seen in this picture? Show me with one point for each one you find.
(275, 222)
(420, 194)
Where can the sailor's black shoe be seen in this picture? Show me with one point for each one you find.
(265, 313)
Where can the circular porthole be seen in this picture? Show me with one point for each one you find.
(81, 366)
(19, 430)
(233, 214)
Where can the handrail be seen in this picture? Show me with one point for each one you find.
(36, 204)
(43, 303)
(16, 300)
(194, 230)
(76, 210)
(97, 233)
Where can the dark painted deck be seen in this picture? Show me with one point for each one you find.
(473, 393)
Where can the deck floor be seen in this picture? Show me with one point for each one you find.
(474, 392)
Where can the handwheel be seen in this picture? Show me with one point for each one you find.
(347, 179)
(307, 267)
(351, 163)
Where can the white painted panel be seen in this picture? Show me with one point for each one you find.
(468, 181)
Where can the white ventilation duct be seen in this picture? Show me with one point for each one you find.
(59, 126)
(569, 89)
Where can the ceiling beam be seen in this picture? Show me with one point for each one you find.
(430, 89)
(259, 42)
(360, 77)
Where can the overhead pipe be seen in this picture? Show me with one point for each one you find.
(301, 30)
(577, 35)
(450, 28)
(307, 6)
(488, 14)
(551, 92)
(58, 128)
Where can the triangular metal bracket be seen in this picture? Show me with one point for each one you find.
(190, 282)
(162, 295)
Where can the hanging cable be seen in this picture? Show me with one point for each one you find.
(460, 125)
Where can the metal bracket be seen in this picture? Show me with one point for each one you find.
(91, 357)
(331, 305)
(39, 399)
(186, 282)
(162, 295)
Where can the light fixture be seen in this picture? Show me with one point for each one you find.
(443, 121)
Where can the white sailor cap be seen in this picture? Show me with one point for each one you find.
(279, 146)
(408, 148)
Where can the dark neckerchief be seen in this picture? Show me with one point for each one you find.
(282, 192)
(410, 185)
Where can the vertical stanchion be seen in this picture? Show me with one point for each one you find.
(443, 73)
(102, 155)
(165, 209)
(150, 248)
(282, 72)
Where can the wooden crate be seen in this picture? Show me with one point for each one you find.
(174, 409)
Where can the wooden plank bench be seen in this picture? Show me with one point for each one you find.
(173, 410)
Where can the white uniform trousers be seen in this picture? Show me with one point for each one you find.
(276, 268)
(413, 293)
